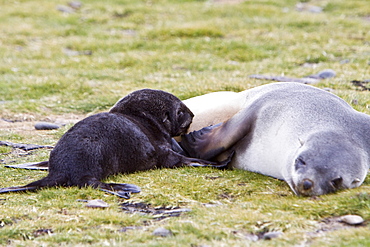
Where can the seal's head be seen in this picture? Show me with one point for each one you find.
(158, 107)
(327, 162)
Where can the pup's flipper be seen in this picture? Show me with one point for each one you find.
(121, 190)
(44, 165)
(16, 189)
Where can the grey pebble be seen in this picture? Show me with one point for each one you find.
(324, 74)
(46, 126)
(162, 232)
(75, 4)
(327, 73)
(65, 9)
(315, 9)
(271, 235)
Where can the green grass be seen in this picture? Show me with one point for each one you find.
(53, 63)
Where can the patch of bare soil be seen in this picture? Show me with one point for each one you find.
(23, 124)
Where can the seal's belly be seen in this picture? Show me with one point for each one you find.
(269, 154)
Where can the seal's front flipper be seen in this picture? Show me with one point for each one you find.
(16, 189)
(211, 141)
(196, 143)
(121, 190)
(44, 165)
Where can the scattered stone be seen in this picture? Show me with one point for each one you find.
(324, 74)
(70, 52)
(315, 9)
(302, 7)
(162, 232)
(285, 79)
(25, 147)
(97, 204)
(65, 9)
(75, 4)
(41, 232)
(129, 228)
(311, 79)
(271, 235)
(344, 61)
(258, 236)
(46, 126)
(352, 219)
(310, 65)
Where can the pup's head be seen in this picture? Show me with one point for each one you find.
(159, 106)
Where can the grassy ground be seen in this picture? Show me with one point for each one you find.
(59, 65)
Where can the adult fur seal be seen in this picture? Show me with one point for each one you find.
(306, 136)
(134, 135)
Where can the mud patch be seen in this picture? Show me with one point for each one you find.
(23, 124)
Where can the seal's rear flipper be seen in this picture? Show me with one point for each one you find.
(121, 190)
(44, 165)
(16, 189)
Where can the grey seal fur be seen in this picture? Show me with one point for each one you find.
(135, 135)
(306, 136)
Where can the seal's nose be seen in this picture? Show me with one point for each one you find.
(307, 184)
(337, 183)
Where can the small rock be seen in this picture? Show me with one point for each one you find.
(75, 4)
(162, 232)
(352, 219)
(70, 52)
(327, 73)
(65, 9)
(46, 126)
(324, 74)
(315, 9)
(271, 235)
(308, 8)
(97, 204)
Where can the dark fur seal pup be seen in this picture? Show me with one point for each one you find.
(135, 135)
(306, 136)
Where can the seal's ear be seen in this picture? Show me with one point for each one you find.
(166, 117)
